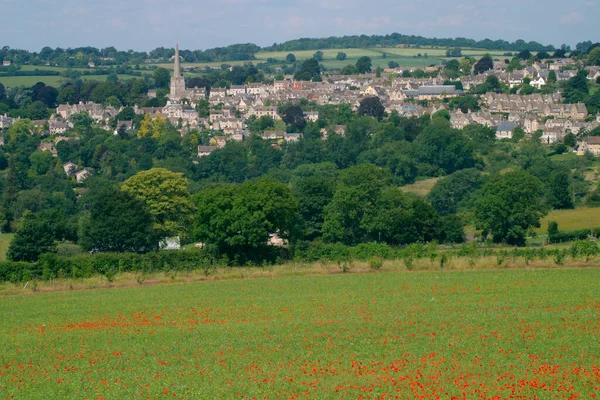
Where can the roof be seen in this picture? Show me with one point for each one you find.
(506, 126)
(593, 140)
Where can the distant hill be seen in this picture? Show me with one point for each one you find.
(394, 39)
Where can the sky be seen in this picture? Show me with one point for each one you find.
(199, 24)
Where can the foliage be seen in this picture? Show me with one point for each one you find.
(116, 221)
(240, 220)
(372, 107)
(456, 192)
(363, 65)
(166, 196)
(510, 204)
(485, 63)
(35, 236)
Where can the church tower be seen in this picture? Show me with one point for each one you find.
(178, 90)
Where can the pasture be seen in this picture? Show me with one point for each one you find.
(428, 335)
(406, 58)
(581, 218)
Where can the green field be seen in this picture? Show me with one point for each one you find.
(429, 335)
(5, 239)
(421, 188)
(581, 218)
(404, 57)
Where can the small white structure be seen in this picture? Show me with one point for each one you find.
(170, 243)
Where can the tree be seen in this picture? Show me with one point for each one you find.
(154, 128)
(309, 70)
(314, 191)
(552, 76)
(116, 221)
(162, 78)
(455, 192)
(349, 69)
(524, 55)
(570, 140)
(363, 65)
(558, 190)
(318, 55)
(2, 91)
(341, 56)
(485, 63)
(166, 197)
(293, 116)
(515, 64)
(594, 56)
(34, 237)
(393, 64)
(41, 162)
(509, 205)
(443, 147)
(576, 89)
(356, 195)
(290, 58)
(454, 52)
(372, 107)
(240, 220)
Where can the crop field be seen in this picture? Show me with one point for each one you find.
(428, 335)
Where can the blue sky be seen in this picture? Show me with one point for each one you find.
(201, 24)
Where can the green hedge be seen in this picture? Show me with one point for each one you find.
(51, 266)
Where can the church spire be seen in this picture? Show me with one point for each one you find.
(177, 72)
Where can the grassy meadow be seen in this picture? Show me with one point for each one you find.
(429, 335)
(581, 218)
(421, 188)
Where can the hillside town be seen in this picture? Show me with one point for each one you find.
(230, 108)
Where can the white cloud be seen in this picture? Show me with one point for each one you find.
(573, 17)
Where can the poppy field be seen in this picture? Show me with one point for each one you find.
(506, 334)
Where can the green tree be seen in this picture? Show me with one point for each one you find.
(41, 162)
(318, 55)
(293, 116)
(594, 56)
(485, 63)
(356, 195)
(456, 192)
(162, 78)
(309, 70)
(559, 189)
(393, 64)
(372, 107)
(349, 69)
(341, 56)
(363, 65)
(443, 147)
(290, 58)
(239, 220)
(509, 205)
(34, 237)
(116, 221)
(166, 197)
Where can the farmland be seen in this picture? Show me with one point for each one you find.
(479, 334)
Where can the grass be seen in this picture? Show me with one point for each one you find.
(5, 239)
(406, 58)
(421, 188)
(581, 218)
(434, 334)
